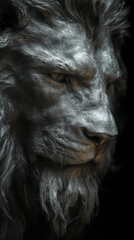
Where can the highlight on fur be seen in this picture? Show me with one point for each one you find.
(62, 81)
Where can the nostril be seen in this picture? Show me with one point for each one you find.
(93, 137)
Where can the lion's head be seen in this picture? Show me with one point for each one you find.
(61, 81)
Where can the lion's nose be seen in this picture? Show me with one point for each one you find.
(97, 138)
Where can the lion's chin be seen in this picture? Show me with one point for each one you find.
(68, 196)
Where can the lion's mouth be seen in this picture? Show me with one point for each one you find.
(42, 161)
(79, 155)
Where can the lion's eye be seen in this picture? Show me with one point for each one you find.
(58, 77)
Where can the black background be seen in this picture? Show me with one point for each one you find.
(115, 219)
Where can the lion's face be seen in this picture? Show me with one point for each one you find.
(64, 75)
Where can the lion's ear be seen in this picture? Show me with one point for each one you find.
(8, 15)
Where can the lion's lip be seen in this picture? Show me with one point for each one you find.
(80, 165)
(74, 154)
(75, 157)
(78, 159)
(96, 159)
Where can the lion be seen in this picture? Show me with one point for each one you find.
(62, 80)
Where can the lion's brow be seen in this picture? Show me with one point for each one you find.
(108, 13)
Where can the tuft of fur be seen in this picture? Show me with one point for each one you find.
(66, 200)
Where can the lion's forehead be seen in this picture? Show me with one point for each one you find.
(65, 46)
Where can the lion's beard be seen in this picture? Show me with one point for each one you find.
(68, 196)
